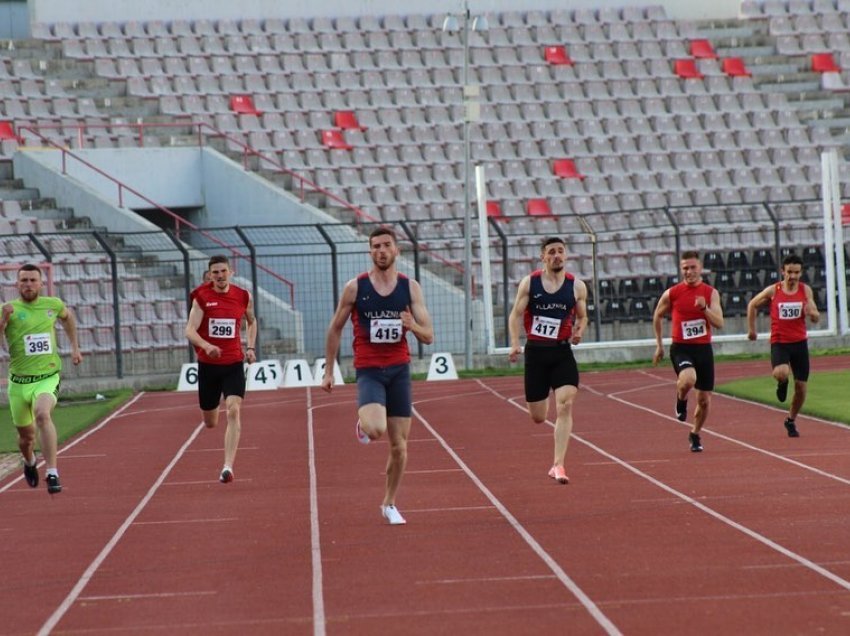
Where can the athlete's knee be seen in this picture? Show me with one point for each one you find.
(780, 374)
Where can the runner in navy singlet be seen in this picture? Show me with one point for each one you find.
(383, 306)
(790, 303)
(551, 309)
(695, 308)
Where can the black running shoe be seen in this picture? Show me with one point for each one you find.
(681, 410)
(31, 474)
(226, 476)
(782, 391)
(791, 427)
(53, 485)
(696, 443)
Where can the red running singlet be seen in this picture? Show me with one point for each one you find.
(222, 321)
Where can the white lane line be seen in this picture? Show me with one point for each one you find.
(79, 439)
(434, 470)
(219, 450)
(127, 597)
(562, 576)
(83, 456)
(170, 521)
(732, 440)
(811, 565)
(449, 509)
(211, 480)
(489, 579)
(74, 594)
(319, 626)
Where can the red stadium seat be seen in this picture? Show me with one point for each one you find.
(494, 209)
(538, 207)
(845, 214)
(243, 104)
(687, 69)
(334, 139)
(7, 130)
(557, 55)
(347, 120)
(824, 63)
(566, 169)
(735, 67)
(702, 50)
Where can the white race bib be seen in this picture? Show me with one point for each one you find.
(222, 328)
(36, 344)
(545, 327)
(790, 311)
(693, 328)
(385, 330)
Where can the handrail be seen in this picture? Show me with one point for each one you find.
(247, 151)
(178, 220)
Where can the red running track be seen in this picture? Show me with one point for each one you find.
(748, 537)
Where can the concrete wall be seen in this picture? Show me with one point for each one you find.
(50, 11)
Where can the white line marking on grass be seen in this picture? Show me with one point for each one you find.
(710, 511)
(562, 576)
(79, 439)
(74, 594)
(315, 540)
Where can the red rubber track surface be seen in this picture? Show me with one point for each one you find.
(749, 536)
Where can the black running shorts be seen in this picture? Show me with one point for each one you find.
(215, 380)
(548, 366)
(698, 356)
(794, 354)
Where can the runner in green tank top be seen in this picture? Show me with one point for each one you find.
(28, 324)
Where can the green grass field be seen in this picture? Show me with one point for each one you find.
(71, 415)
(827, 393)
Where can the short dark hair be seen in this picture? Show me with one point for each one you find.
(551, 239)
(382, 231)
(792, 259)
(218, 258)
(29, 267)
(689, 254)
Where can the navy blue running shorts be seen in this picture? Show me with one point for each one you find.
(388, 386)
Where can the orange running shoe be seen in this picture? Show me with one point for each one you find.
(557, 473)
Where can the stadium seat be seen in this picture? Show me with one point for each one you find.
(735, 67)
(334, 139)
(7, 131)
(347, 120)
(243, 104)
(702, 49)
(557, 56)
(538, 207)
(566, 169)
(494, 210)
(824, 63)
(686, 69)
(735, 304)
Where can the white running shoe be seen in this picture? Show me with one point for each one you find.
(392, 515)
(361, 436)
